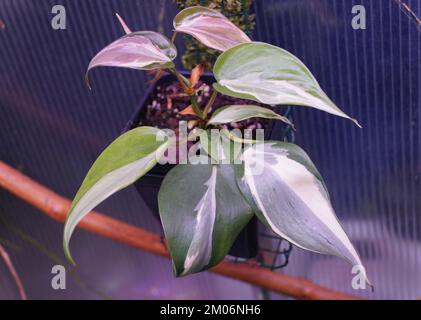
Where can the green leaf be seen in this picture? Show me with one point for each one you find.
(208, 216)
(210, 142)
(235, 113)
(270, 75)
(219, 147)
(287, 193)
(124, 161)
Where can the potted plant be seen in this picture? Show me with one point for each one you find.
(223, 178)
(160, 107)
(164, 98)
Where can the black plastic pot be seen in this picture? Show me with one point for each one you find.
(246, 245)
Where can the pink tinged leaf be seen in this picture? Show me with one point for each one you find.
(144, 50)
(210, 27)
(131, 52)
(123, 24)
(188, 111)
(196, 73)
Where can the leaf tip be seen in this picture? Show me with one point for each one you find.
(86, 79)
(178, 272)
(188, 111)
(68, 254)
(364, 274)
(356, 122)
(287, 121)
(293, 127)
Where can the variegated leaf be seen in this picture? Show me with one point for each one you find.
(211, 144)
(270, 75)
(210, 27)
(200, 250)
(124, 161)
(143, 50)
(288, 194)
(219, 147)
(208, 216)
(237, 113)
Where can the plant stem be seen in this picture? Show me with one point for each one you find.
(210, 103)
(174, 36)
(195, 106)
(181, 80)
(191, 93)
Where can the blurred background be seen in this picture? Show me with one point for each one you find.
(52, 128)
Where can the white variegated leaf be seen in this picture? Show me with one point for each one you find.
(220, 147)
(143, 50)
(289, 195)
(270, 75)
(200, 250)
(237, 113)
(211, 144)
(202, 212)
(210, 27)
(124, 161)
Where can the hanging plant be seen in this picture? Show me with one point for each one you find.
(210, 196)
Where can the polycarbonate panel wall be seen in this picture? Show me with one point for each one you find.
(373, 173)
(52, 128)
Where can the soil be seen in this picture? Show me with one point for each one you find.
(163, 107)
